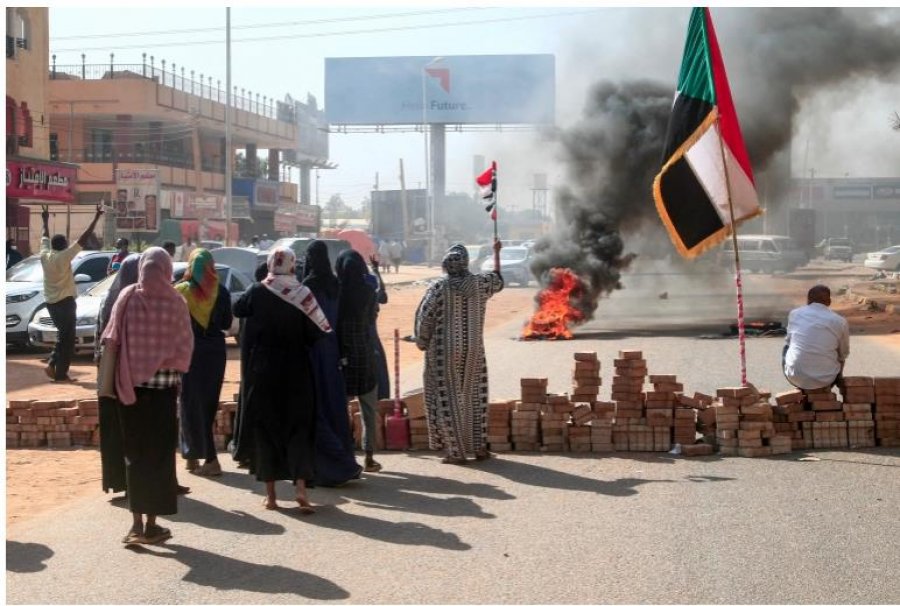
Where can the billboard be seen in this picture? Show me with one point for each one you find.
(463, 89)
(136, 204)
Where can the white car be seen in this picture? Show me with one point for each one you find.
(515, 264)
(25, 289)
(887, 259)
(42, 331)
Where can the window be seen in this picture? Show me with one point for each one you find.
(768, 246)
(95, 267)
(100, 149)
(237, 285)
(54, 147)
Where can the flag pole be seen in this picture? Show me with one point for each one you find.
(494, 216)
(742, 337)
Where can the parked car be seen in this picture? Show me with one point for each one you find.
(515, 264)
(887, 259)
(42, 331)
(242, 259)
(211, 245)
(298, 245)
(765, 254)
(839, 248)
(25, 289)
(477, 255)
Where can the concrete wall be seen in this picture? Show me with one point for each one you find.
(27, 76)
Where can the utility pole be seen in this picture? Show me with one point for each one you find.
(403, 208)
(229, 159)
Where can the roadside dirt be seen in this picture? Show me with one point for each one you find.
(41, 480)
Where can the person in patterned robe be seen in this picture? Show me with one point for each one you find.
(450, 330)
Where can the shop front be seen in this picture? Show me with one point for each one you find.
(30, 183)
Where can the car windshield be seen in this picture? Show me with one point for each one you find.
(100, 288)
(512, 254)
(840, 242)
(28, 270)
(892, 249)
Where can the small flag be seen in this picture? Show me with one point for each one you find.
(487, 181)
(706, 170)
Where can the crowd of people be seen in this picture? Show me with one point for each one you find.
(309, 345)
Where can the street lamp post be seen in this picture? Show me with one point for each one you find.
(429, 198)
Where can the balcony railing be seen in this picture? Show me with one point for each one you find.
(175, 78)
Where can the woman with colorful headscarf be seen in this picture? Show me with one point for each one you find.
(150, 331)
(277, 432)
(450, 330)
(210, 307)
(335, 459)
(356, 314)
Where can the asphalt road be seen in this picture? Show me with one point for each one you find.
(516, 529)
(527, 528)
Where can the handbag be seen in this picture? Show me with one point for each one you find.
(106, 372)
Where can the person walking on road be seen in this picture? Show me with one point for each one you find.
(384, 254)
(450, 330)
(278, 416)
(60, 291)
(335, 460)
(112, 453)
(396, 249)
(817, 342)
(374, 280)
(150, 332)
(210, 306)
(356, 314)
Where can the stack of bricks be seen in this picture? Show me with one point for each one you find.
(660, 409)
(52, 423)
(555, 415)
(602, 426)
(829, 430)
(586, 378)
(858, 396)
(418, 425)
(887, 411)
(745, 424)
(628, 395)
(525, 419)
(684, 426)
(498, 416)
(790, 417)
(223, 425)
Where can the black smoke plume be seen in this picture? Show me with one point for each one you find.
(775, 57)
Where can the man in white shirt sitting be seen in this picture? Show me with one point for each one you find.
(817, 343)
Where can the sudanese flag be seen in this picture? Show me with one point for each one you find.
(706, 178)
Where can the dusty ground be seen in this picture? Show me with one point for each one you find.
(41, 480)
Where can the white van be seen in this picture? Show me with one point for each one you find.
(765, 254)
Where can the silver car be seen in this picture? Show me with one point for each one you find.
(25, 289)
(42, 331)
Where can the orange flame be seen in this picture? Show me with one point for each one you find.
(555, 312)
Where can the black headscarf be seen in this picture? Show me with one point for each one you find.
(355, 294)
(317, 273)
(126, 276)
(262, 270)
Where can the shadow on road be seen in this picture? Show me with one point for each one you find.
(209, 516)
(534, 475)
(401, 533)
(26, 557)
(214, 570)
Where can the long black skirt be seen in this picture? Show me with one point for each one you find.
(112, 453)
(149, 432)
(200, 391)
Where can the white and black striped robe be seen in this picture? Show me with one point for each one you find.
(450, 329)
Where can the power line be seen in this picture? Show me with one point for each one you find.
(265, 25)
(338, 33)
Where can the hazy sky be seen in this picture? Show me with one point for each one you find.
(846, 131)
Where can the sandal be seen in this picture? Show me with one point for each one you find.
(372, 467)
(192, 464)
(212, 469)
(305, 507)
(182, 489)
(270, 505)
(482, 455)
(454, 461)
(156, 534)
(133, 537)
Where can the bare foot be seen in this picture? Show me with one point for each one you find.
(306, 507)
(270, 503)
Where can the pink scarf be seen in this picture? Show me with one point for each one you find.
(282, 282)
(151, 326)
